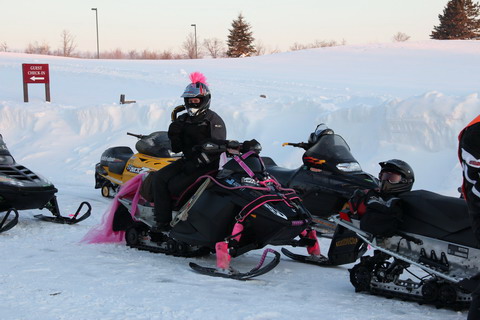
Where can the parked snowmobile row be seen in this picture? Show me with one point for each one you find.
(434, 245)
(22, 189)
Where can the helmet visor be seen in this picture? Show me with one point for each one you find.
(391, 177)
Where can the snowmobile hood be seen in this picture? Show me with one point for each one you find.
(18, 176)
(331, 152)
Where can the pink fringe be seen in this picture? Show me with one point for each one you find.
(198, 77)
(103, 233)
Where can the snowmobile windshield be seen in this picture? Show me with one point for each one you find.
(6, 159)
(332, 153)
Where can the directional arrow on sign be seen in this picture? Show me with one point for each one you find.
(37, 78)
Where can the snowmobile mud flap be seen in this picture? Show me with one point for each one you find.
(8, 222)
(237, 275)
(52, 206)
(346, 247)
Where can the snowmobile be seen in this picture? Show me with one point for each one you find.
(119, 164)
(328, 177)
(238, 209)
(434, 244)
(22, 189)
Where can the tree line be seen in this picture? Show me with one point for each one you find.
(460, 20)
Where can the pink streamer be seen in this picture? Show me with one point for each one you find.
(103, 233)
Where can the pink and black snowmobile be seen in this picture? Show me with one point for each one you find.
(232, 211)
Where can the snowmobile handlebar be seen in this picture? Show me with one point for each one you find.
(139, 136)
(302, 145)
(176, 111)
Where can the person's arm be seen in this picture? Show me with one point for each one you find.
(218, 131)
(175, 134)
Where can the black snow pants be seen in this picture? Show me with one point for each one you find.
(171, 181)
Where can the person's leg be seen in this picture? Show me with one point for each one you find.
(161, 194)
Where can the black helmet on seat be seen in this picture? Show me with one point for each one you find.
(321, 130)
(396, 176)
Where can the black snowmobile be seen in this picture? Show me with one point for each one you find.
(22, 189)
(434, 244)
(235, 210)
(328, 177)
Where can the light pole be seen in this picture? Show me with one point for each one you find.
(195, 33)
(96, 18)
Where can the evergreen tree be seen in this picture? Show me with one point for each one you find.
(460, 20)
(240, 39)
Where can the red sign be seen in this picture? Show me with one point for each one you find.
(35, 73)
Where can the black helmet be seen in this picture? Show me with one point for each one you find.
(197, 89)
(403, 184)
(319, 131)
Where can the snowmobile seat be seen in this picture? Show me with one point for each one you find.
(437, 216)
(156, 144)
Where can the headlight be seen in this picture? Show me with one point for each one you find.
(349, 167)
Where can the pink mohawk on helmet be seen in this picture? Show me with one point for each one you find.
(198, 77)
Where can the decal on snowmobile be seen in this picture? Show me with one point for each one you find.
(275, 211)
(314, 160)
(11, 181)
(458, 251)
(137, 170)
(109, 159)
(346, 242)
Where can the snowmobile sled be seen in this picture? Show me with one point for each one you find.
(434, 244)
(119, 164)
(230, 212)
(22, 189)
(328, 177)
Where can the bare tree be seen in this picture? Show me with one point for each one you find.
(317, 44)
(3, 46)
(43, 48)
(261, 50)
(132, 54)
(188, 46)
(400, 37)
(214, 47)
(68, 43)
(166, 55)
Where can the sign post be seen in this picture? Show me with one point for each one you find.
(35, 73)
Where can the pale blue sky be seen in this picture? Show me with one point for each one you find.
(164, 25)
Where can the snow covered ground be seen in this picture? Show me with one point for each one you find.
(403, 100)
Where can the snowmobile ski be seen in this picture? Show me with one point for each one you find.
(57, 218)
(236, 275)
(6, 223)
(316, 260)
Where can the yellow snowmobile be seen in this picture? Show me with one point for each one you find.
(119, 164)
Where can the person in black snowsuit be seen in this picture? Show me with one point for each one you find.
(190, 130)
(469, 154)
(380, 209)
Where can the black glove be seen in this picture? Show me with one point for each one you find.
(249, 145)
(175, 128)
(233, 144)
